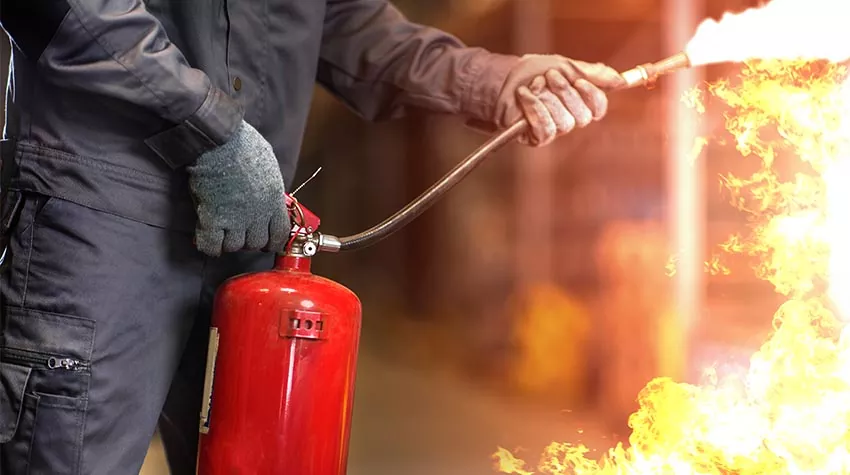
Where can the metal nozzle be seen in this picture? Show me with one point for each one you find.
(329, 243)
(648, 73)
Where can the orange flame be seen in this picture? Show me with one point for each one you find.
(790, 412)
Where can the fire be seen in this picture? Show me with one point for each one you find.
(789, 412)
(781, 29)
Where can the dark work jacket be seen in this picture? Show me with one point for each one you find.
(109, 100)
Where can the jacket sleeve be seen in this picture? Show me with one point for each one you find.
(380, 64)
(116, 48)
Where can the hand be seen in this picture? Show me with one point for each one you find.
(555, 95)
(239, 193)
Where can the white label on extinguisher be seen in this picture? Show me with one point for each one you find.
(212, 353)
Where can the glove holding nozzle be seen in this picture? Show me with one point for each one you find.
(555, 95)
(239, 194)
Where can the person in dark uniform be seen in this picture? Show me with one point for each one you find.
(147, 149)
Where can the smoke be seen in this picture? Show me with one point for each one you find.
(781, 29)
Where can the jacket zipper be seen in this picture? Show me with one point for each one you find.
(44, 360)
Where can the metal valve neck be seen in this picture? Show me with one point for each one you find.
(292, 263)
(302, 246)
(307, 245)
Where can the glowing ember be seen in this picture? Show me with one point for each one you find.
(789, 413)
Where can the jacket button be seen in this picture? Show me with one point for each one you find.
(237, 83)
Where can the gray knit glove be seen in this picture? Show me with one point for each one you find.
(239, 195)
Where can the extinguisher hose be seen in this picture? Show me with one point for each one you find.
(434, 193)
(638, 76)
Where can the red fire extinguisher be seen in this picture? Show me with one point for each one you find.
(283, 344)
(283, 353)
(283, 349)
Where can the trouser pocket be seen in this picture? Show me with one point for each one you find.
(17, 225)
(10, 206)
(13, 382)
(49, 356)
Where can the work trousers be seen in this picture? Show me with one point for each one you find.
(105, 325)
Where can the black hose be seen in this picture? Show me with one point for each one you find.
(638, 76)
(432, 194)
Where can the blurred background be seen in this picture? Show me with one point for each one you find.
(533, 303)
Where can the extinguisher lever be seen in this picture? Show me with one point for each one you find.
(305, 238)
(303, 220)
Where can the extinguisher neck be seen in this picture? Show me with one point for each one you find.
(292, 263)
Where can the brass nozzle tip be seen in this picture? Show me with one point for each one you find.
(647, 73)
(636, 76)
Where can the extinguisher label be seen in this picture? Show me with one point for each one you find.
(212, 353)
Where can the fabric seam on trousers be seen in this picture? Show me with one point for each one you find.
(32, 432)
(82, 436)
(82, 430)
(31, 232)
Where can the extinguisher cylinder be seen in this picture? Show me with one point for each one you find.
(281, 374)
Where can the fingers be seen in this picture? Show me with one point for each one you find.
(595, 99)
(570, 97)
(541, 124)
(256, 237)
(555, 95)
(553, 107)
(564, 120)
(582, 96)
(598, 74)
(209, 241)
(272, 237)
(234, 240)
(279, 229)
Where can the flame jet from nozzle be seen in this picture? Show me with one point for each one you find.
(777, 30)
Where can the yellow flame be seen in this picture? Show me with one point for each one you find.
(790, 412)
(507, 463)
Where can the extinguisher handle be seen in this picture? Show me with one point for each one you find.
(303, 220)
(434, 193)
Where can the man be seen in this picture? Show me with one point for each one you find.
(148, 143)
